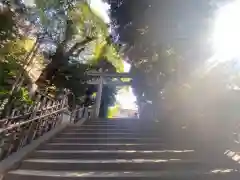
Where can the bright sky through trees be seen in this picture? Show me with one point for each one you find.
(29, 2)
(125, 98)
(101, 8)
(226, 35)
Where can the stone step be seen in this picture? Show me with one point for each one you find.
(112, 122)
(117, 125)
(118, 122)
(109, 126)
(121, 175)
(97, 130)
(113, 154)
(121, 131)
(97, 134)
(105, 140)
(113, 132)
(100, 130)
(126, 125)
(120, 150)
(115, 121)
(103, 146)
(111, 164)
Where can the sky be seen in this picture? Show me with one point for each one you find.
(29, 2)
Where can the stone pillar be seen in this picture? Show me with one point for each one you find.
(66, 117)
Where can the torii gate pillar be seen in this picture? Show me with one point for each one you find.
(98, 98)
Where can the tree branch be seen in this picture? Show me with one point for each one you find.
(79, 44)
(79, 51)
(68, 32)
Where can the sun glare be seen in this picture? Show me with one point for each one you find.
(226, 32)
(126, 98)
(101, 8)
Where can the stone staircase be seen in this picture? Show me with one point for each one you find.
(121, 150)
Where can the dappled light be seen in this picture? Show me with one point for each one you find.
(116, 174)
(235, 156)
(119, 151)
(104, 161)
(220, 171)
(120, 89)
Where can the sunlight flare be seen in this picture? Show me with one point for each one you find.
(226, 32)
(101, 8)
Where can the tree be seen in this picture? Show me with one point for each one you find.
(164, 53)
(85, 40)
(8, 28)
(14, 54)
(73, 39)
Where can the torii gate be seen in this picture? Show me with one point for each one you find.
(101, 81)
